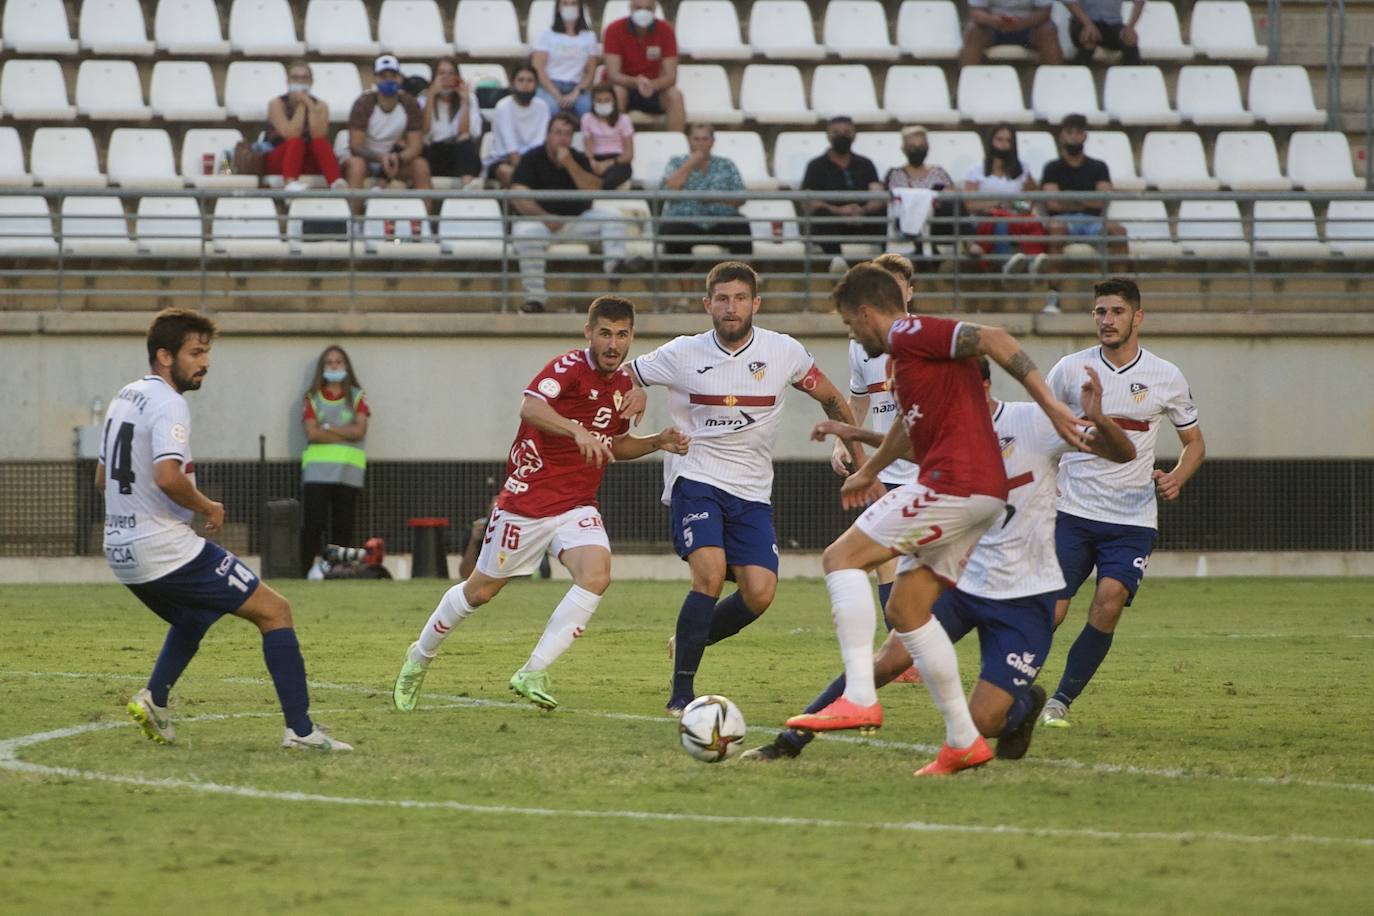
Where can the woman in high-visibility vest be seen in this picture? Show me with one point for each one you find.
(335, 419)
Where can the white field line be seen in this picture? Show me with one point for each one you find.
(1063, 763)
(9, 760)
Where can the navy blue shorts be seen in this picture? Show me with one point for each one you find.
(705, 516)
(215, 583)
(1013, 634)
(1120, 552)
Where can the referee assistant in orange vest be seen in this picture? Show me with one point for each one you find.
(332, 468)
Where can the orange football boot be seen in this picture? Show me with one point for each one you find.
(839, 716)
(909, 676)
(951, 760)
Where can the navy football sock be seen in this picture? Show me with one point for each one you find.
(827, 696)
(884, 592)
(1020, 706)
(731, 615)
(1087, 653)
(177, 651)
(693, 630)
(282, 653)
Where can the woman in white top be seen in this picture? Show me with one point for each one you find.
(452, 124)
(1002, 171)
(565, 56)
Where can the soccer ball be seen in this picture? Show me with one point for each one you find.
(711, 728)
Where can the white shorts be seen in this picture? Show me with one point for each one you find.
(930, 529)
(514, 544)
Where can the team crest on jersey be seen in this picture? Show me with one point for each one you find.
(1139, 390)
(1007, 444)
(525, 459)
(759, 368)
(616, 398)
(500, 558)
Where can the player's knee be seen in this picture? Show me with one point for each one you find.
(595, 581)
(708, 581)
(835, 558)
(479, 593)
(758, 597)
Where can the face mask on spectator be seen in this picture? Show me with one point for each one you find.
(335, 375)
(523, 97)
(1073, 149)
(603, 108)
(842, 145)
(916, 155)
(388, 87)
(642, 18)
(569, 13)
(298, 87)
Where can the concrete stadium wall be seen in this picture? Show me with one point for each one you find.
(447, 387)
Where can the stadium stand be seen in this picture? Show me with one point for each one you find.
(35, 90)
(338, 27)
(184, 90)
(847, 90)
(38, 27)
(1210, 97)
(189, 27)
(141, 158)
(709, 30)
(783, 30)
(918, 95)
(114, 27)
(413, 28)
(263, 28)
(110, 90)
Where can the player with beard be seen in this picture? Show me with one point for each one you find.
(574, 421)
(726, 389)
(149, 480)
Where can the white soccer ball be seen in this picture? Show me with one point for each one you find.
(711, 728)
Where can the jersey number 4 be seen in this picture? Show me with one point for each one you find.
(121, 456)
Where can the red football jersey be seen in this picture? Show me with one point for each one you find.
(942, 403)
(546, 474)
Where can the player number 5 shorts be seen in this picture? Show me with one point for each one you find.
(930, 529)
(514, 544)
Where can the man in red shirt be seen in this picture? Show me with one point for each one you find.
(574, 420)
(641, 62)
(932, 524)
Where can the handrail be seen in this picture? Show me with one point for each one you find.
(1335, 54)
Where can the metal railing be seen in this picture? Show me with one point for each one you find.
(447, 251)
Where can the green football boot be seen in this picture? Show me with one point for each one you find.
(407, 689)
(534, 686)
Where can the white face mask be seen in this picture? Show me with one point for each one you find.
(569, 13)
(603, 108)
(642, 18)
(297, 87)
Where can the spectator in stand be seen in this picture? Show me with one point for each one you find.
(841, 169)
(556, 166)
(1002, 171)
(609, 138)
(917, 173)
(518, 125)
(564, 59)
(718, 222)
(335, 419)
(298, 130)
(384, 133)
(452, 124)
(641, 62)
(1010, 22)
(1099, 24)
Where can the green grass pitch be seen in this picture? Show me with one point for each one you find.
(1223, 761)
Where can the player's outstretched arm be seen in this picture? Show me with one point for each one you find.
(999, 346)
(172, 480)
(670, 439)
(863, 487)
(844, 433)
(819, 388)
(839, 455)
(539, 414)
(1170, 483)
(1105, 439)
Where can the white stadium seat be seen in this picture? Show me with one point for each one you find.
(1174, 161)
(339, 27)
(846, 89)
(339, 85)
(709, 30)
(418, 68)
(412, 28)
(249, 84)
(488, 28)
(1247, 160)
(1211, 96)
(184, 90)
(884, 147)
(114, 27)
(774, 227)
(1136, 96)
(1060, 91)
(94, 227)
(65, 157)
(307, 213)
(1283, 96)
(745, 149)
(857, 30)
(471, 228)
(141, 158)
(792, 150)
(1211, 228)
(12, 171)
(1320, 161)
(540, 15)
(1350, 228)
(991, 93)
(168, 226)
(1287, 229)
(408, 221)
(783, 30)
(26, 229)
(929, 29)
(1114, 148)
(189, 27)
(918, 95)
(38, 27)
(1036, 147)
(110, 90)
(773, 94)
(1147, 228)
(1225, 30)
(956, 151)
(216, 143)
(653, 149)
(264, 28)
(35, 90)
(1158, 31)
(706, 94)
(246, 227)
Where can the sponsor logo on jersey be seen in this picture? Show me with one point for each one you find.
(705, 369)
(739, 422)
(912, 415)
(1023, 662)
(122, 556)
(695, 517)
(1139, 390)
(1007, 444)
(121, 521)
(759, 369)
(525, 460)
(593, 395)
(225, 565)
(550, 388)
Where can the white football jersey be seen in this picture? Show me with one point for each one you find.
(1016, 557)
(729, 403)
(147, 535)
(1138, 397)
(868, 376)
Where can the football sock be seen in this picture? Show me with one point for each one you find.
(453, 607)
(566, 623)
(282, 653)
(934, 656)
(827, 696)
(693, 629)
(1086, 654)
(884, 592)
(731, 616)
(851, 603)
(177, 651)
(1020, 706)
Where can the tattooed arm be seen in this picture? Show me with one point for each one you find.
(816, 386)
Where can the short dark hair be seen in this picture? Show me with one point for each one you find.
(611, 308)
(868, 284)
(899, 265)
(526, 67)
(726, 271)
(566, 119)
(1119, 286)
(1073, 121)
(840, 119)
(171, 327)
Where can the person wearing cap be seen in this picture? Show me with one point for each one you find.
(641, 62)
(384, 133)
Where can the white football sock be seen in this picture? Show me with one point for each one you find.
(851, 603)
(453, 607)
(566, 623)
(934, 656)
